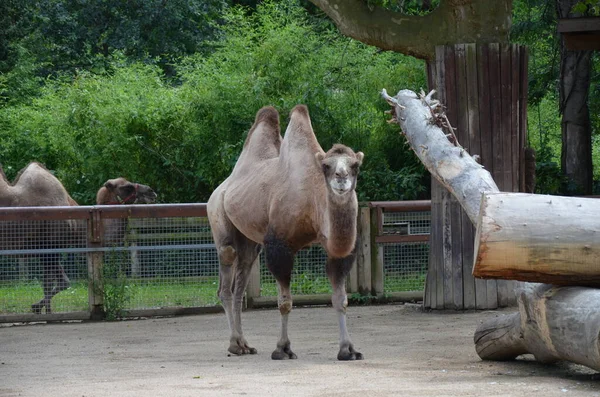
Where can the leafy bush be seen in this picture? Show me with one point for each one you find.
(183, 140)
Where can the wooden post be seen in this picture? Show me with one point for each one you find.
(253, 289)
(376, 254)
(95, 261)
(363, 254)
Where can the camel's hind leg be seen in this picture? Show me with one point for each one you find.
(236, 256)
(280, 261)
(337, 270)
(53, 272)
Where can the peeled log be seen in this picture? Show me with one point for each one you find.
(553, 323)
(538, 238)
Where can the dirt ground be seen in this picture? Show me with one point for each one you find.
(407, 352)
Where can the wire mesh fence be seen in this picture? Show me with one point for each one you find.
(41, 259)
(308, 275)
(154, 263)
(124, 259)
(405, 263)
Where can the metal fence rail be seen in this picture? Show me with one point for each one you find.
(92, 262)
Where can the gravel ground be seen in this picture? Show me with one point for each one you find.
(407, 352)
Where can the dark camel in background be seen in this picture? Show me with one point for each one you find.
(36, 186)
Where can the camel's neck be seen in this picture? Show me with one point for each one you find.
(341, 225)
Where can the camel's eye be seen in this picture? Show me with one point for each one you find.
(326, 168)
(354, 167)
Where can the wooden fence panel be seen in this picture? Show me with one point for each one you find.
(484, 88)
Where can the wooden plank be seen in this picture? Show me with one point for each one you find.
(516, 150)
(492, 294)
(436, 247)
(173, 311)
(523, 84)
(457, 254)
(434, 280)
(363, 261)
(583, 41)
(463, 133)
(376, 256)
(583, 24)
(451, 101)
(496, 124)
(402, 238)
(447, 249)
(402, 206)
(485, 116)
(492, 92)
(477, 71)
(34, 318)
(506, 120)
(469, 291)
(450, 96)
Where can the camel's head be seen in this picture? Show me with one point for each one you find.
(121, 191)
(340, 166)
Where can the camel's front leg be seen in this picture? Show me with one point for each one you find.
(280, 260)
(337, 269)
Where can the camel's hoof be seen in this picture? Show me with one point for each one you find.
(241, 350)
(283, 354)
(349, 354)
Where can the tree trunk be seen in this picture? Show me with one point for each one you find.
(538, 238)
(574, 85)
(553, 323)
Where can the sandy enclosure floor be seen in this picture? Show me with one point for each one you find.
(407, 352)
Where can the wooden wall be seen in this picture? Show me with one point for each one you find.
(484, 87)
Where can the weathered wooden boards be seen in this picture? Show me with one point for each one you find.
(553, 323)
(539, 238)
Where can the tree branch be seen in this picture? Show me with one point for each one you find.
(454, 21)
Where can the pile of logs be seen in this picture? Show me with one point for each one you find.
(526, 237)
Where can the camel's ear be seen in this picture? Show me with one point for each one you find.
(319, 156)
(359, 157)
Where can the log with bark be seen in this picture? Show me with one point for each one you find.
(533, 237)
(553, 323)
(538, 234)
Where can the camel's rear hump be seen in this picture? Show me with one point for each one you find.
(264, 138)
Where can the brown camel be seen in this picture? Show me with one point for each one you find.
(284, 195)
(36, 186)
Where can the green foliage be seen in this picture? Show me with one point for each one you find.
(587, 7)
(117, 290)
(183, 140)
(534, 25)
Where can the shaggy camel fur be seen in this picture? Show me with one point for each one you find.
(285, 194)
(36, 186)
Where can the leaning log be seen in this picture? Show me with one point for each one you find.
(553, 324)
(539, 238)
(431, 137)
